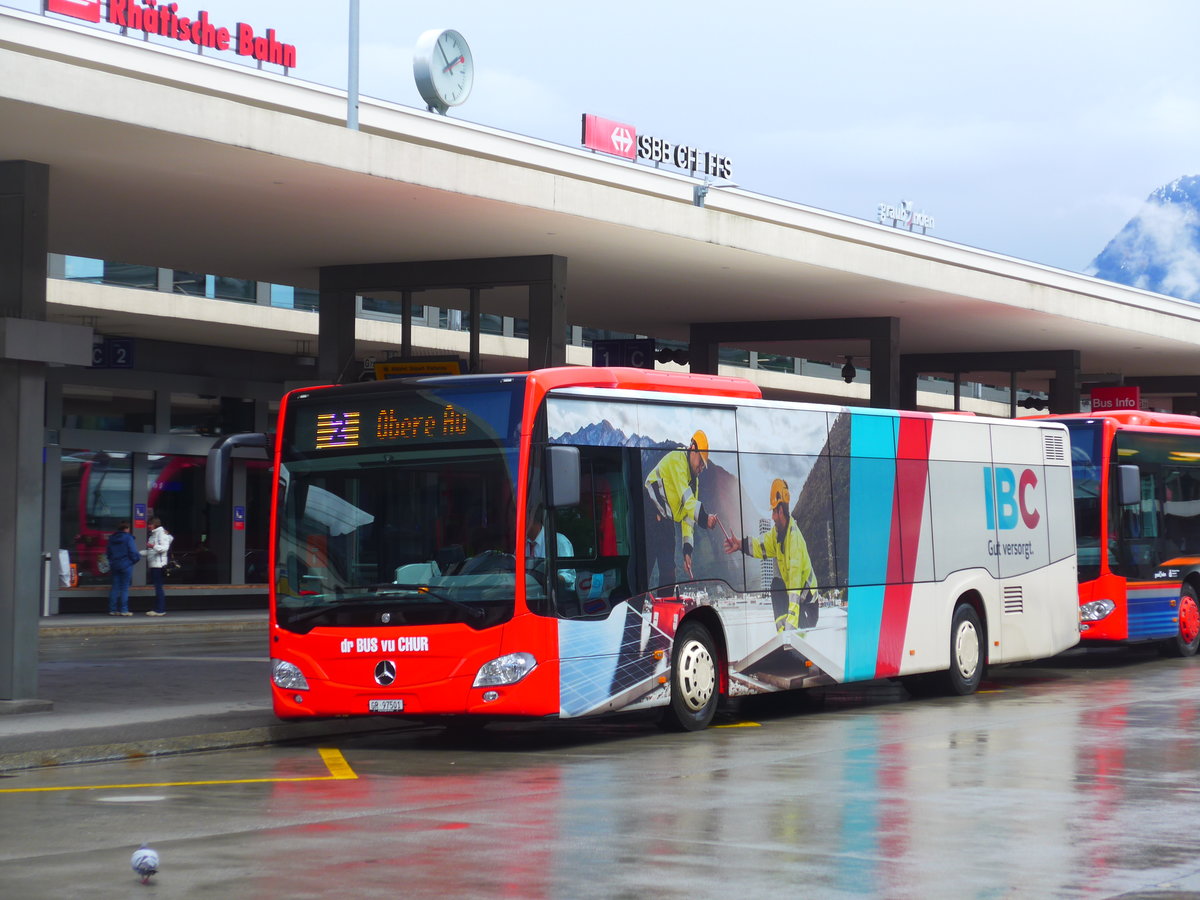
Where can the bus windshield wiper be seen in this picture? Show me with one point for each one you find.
(304, 615)
(379, 593)
(473, 611)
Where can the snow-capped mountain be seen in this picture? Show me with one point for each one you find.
(1159, 248)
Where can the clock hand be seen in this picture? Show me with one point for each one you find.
(442, 50)
(450, 66)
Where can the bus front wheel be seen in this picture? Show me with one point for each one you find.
(1187, 641)
(694, 687)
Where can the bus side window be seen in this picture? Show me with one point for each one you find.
(1181, 509)
(595, 576)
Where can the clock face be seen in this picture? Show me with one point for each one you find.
(443, 69)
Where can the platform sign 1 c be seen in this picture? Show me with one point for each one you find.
(636, 353)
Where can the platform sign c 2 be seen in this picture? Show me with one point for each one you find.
(239, 518)
(139, 515)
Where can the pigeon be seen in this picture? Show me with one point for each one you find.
(144, 862)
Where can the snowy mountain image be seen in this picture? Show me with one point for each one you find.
(1159, 248)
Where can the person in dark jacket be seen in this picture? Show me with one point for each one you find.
(123, 555)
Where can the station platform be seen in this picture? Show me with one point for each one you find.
(123, 687)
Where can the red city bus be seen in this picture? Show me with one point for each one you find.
(577, 541)
(1136, 478)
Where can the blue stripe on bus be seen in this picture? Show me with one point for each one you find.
(872, 492)
(1150, 613)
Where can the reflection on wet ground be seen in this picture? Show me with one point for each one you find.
(1070, 779)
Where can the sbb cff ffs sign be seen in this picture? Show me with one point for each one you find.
(1109, 399)
(620, 139)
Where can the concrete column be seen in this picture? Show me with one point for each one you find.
(237, 538)
(139, 476)
(473, 332)
(703, 350)
(335, 332)
(406, 324)
(24, 211)
(548, 317)
(1064, 386)
(885, 363)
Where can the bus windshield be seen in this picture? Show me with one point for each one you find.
(1086, 459)
(398, 508)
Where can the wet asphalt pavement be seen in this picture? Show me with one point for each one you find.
(1076, 778)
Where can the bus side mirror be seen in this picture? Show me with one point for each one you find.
(562, 473)
(1129, 485)
(216, 473)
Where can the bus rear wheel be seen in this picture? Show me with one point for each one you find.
(1187, 641)
(967, 659)
(694, 683)
(967, 653)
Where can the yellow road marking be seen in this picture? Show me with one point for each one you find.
(338, 767)
(740, 725)
(339, 770)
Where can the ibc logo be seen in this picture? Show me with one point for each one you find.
(1005, 496)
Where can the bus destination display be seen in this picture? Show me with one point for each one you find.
(345, 428)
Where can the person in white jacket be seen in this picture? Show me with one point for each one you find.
(158, 551)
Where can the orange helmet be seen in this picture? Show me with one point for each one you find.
(700, 439)
(779, 493)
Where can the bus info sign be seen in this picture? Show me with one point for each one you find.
(1108, 399)
(164, 20)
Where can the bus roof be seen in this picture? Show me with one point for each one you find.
(644, 380)
(1135, 418)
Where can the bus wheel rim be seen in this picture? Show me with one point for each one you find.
(697, 675)
(1189, 619)
(966, 649)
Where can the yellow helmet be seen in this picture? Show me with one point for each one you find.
(700, 439)
(779, 493)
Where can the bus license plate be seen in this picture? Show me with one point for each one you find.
(385, 705)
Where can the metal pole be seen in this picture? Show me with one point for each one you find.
(46, 576)
(352, 76)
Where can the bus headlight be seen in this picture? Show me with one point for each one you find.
(1096, 610)
(507, 669)
(288, 676)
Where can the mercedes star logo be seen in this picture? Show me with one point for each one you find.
(385, 672)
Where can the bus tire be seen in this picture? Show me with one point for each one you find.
(968, 652)
(694, 681)
(1187, 641)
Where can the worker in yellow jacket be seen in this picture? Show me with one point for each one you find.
(673, 492)
(794, 585)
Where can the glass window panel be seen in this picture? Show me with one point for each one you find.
(195, 414)
(81, 268)
(225, 288)
(190, 283)
(96, 495)
(175, 493)
(130, 275)
(775, 362)
(391, 306)
(734, 356)
(107, 409)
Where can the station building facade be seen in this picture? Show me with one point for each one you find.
(185, 353)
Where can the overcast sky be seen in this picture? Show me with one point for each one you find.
(1034, 129)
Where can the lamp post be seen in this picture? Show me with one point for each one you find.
(352, 75)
